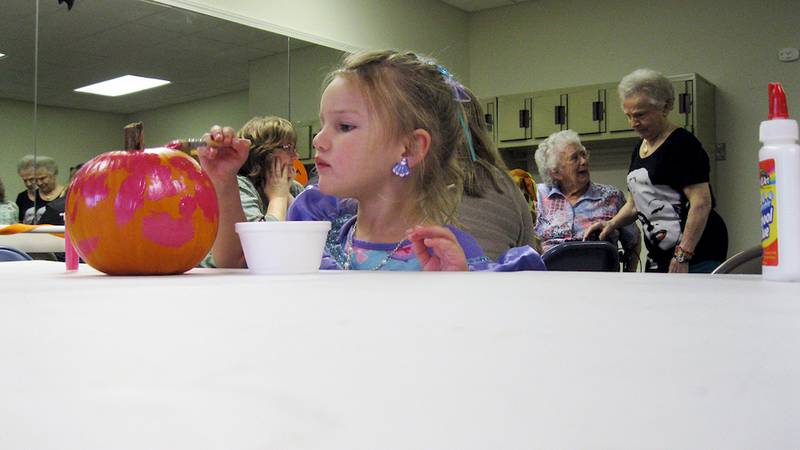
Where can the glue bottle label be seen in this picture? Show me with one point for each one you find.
(769, 212)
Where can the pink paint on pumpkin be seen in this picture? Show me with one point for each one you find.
(129, 198)
(94, 189)
(86, 246)
(207, 200)
(164, 230)
(161, 184)
(187, 206)
(205, 193)
(187, 165)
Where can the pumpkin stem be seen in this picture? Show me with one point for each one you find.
(134, 136)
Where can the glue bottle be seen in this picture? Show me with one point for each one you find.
(779, 178)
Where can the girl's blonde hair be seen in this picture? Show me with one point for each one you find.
(266, 134)
(406, 92)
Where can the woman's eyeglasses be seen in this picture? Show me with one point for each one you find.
(289, 148)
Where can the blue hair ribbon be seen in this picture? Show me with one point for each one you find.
(460, 95)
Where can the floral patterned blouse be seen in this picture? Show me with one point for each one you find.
(559, 221)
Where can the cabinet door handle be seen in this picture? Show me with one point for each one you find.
(597, 111)
(684, 103)
(557, 115)
(560, 115)
(524, 118)
(489, 119)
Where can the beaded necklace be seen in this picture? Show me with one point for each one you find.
(348, 250)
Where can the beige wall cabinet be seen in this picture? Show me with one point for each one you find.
(586, 110)
(513, 118)
(580, 109)
(490, 115)
(549, 113)
(681, 114)
(615, 118)
(595, 112)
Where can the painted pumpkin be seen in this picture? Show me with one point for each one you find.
(142, 212)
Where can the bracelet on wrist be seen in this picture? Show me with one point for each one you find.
(681, 255)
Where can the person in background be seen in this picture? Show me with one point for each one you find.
(26, 199)
(40, 175)
(493, 210)
(266, 178)
(668, 180)
(9, 212)
(392, 130)
(527, 186)
(569, 203)
(54, 211)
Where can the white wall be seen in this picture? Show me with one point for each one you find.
(427, 26)
(268, 82)
(192, 119)
(547, 44)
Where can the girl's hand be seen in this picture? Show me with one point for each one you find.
(278, 183)
(447, 254)
(223, 155)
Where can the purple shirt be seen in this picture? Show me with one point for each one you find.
(312, 204)
(559, 221)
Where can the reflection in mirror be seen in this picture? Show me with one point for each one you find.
(310, 64)
(215, 68)
(17, 37)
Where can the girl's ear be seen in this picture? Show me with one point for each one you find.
(417, 147)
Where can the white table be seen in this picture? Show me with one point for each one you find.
(227, 360)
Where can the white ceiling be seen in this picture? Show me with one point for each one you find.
(101, 39)
(479, 5)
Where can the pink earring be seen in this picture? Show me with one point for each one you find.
(401, 169)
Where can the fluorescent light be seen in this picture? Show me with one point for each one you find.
(126, 84)
(2, 55)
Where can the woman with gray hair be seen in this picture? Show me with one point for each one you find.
(668, 180)
(42, 187)
(570, 203)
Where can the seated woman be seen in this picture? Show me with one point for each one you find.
(569, 203)
(266, 179)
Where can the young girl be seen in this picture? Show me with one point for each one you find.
(392, 131)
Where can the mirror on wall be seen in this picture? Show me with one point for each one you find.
(17, 91)
(219, 72)
(309, 66)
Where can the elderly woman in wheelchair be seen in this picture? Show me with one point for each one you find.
(569, 202)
